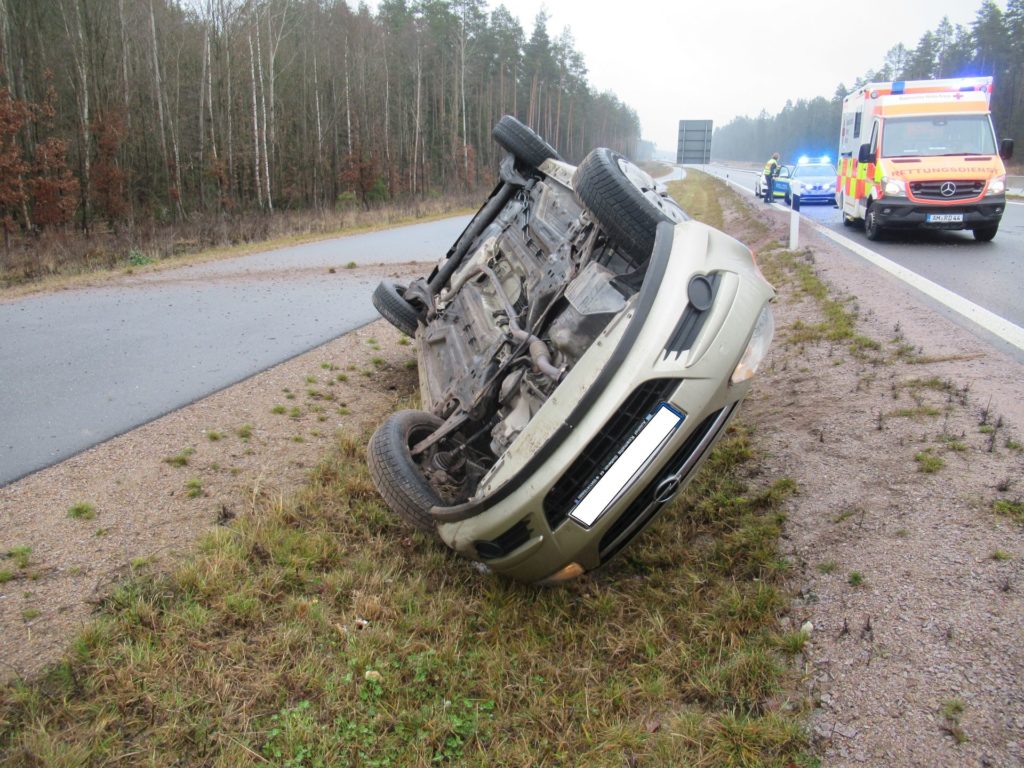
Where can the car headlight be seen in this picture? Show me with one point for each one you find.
(757, 348)
(894, 187)
(996, 186)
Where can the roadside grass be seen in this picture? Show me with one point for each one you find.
(82, 510)
(319, 630)
(700, 196)
(1012, 509)
(839, 315)
(181, 458)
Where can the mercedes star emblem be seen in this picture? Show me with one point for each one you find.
(948, 189)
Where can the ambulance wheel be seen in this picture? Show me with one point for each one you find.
(872, 229)
(986, 233)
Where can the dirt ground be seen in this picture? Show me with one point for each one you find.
(911, 583)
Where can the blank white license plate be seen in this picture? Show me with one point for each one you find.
(624, 470)
(945, 218)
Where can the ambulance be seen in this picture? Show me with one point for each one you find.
(922, 154)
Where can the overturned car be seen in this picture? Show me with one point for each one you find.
(581, 347)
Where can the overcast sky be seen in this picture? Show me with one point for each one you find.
(682, 59)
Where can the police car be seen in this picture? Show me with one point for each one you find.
(811, 181)
(781, 186)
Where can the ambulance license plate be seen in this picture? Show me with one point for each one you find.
(945, 218)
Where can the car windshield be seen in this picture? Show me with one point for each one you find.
(814, 170)
(937, 136)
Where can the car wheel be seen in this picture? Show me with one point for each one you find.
(872, 229)
(625, 201)
(788, 199)
(523, 142)
(389, 299)
(394, 471)
(986, 233)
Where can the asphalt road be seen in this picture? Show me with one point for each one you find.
(78, 367)
(987, 274)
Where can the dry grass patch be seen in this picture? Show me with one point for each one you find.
(320, 631)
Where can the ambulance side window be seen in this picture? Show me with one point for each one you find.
(856, 126)
(874, 139)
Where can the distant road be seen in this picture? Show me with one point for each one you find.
(987, 274)
(78, 367)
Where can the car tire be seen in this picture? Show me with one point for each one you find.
(624, 200)
(394, 471)
(523, 142)
(389, 299)
(788, 199)
(986, 233)
(872, 229)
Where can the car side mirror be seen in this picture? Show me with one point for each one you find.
(1006, 149)
(864, 154)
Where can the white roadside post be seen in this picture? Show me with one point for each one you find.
(794, 229)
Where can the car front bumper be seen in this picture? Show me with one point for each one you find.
(903, 213)
(823, 195)
(648, 368)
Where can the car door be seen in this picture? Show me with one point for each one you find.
(782, 182)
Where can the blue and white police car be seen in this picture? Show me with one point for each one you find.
(812, 181)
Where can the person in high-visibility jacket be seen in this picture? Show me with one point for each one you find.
(771, 171)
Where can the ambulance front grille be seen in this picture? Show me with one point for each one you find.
(946, 190)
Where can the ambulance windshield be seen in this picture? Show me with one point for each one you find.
(936, 136)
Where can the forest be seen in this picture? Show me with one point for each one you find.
(119, 116)
(993, 45)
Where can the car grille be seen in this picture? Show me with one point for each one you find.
(691, 322)
(604, 447)
(932, 190)
(645, 506)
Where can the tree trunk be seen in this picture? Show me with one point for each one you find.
(158, 87)
(416, 122)
(76, 40)
(263, 109)
(202, 113)
(255, 128)
(348, 102)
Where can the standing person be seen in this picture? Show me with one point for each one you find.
(771, 170)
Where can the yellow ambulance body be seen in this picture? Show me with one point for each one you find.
(922, 154)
